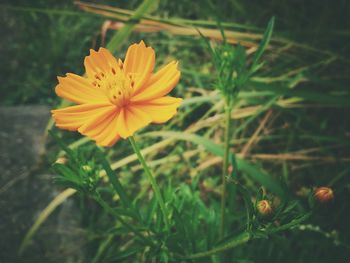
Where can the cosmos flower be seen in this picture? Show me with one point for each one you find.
(116, 99)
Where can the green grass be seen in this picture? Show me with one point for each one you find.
(290, 130)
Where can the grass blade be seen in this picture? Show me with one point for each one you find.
(255, 173)
(264, 42)
(119, 38)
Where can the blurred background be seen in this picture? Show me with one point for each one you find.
(305, 136)
(42, 39)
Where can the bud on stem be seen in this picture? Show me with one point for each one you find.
(264, 207)
(324, 194)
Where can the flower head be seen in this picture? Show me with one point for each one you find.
(264, 207)
(324, 194)
(117, 98)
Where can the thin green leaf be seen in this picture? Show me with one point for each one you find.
(123, 254)
(62, 145)
(122, 34)
(253, 172)
(342, 100)
(115, 182)
(263, 44)
(234, 242)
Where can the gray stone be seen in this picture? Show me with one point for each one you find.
(26, 189)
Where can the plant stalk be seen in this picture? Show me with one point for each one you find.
(237, 241)
(153, 182)
(228, 110)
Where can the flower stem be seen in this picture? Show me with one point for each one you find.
(228, 109)
(151, 179)
(237, 241)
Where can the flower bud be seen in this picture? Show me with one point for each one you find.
(61, 160)
(303, 192)
(324, 194)
(264, 207)
(86, 168)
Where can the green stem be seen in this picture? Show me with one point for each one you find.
(102, 248)
(151, 179)
(239, 240)
(228, 109)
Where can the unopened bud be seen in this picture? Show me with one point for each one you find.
(264, 207)
(324, 194)
(303, 192)
(86, 168)
(61, 160)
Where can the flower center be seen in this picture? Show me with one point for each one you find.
(117, 85)
(119, 89)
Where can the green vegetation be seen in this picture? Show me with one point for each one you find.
(289, 129)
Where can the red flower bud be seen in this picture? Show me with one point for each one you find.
(324, 194)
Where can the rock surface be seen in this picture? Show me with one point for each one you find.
(26, 188)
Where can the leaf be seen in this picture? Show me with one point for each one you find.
(181, 229)
(260, 110)
(102, 248)
(123, 254)
(67, 177)
(315, 96)
(248, 204)
(263, 44)
(62, 145)
(231, 243)
(122, 34)
(115, 181)
(255, 173)
(261, 177)
(66, 173)
(291, 224)
(151, 210)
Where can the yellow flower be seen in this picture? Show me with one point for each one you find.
(116, 98)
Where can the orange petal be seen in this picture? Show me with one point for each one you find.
(99, 61)
(139, 62)
(79, 90)
(159, 84)
(130, 120)
(74, 117)
(109, 136)
(104, 131)
(97, 119)
(160, 109)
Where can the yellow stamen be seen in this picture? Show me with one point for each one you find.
(117, 85)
